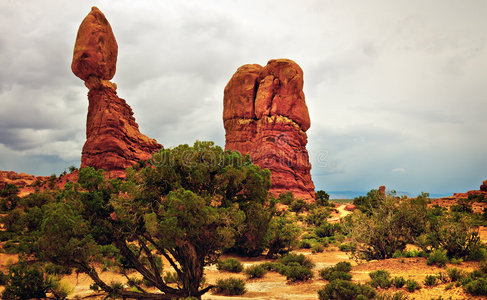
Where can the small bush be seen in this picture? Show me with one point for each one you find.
(297, 258)
(455, 274)
(477, 287)
(437, 257)
(449, 286)
(412, 285)
(395, 296)
(380, 278)
(299, 205)
(297, 272)
(286, 198)
(317, 248)
(339, 271)
(344, 289)
(305, 244)
(230, 286)
(456, 261)
(255, 271)
(430, 280)
(347, 247)
(230, 265)
(398, 282)
(25, 282)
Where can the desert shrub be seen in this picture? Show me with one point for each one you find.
(59, 289)
(296, 272)
(317, 216)
(346, 290)
(281, 235)
(456, 261)
(255, 271)
(230, 286)
(449, 286)
(412, 285)
(296, 258)
(380, 278)
(317, 248)
(398, 281)
(477, 287)
(286, 198)
(322, 198)
(455, 234)
(430, 280)
(326, 230)
(25, 282)
(437, 257)
(299, 205)
(305, 244)
(395, 296)
(230, 265)
(387, 228)
(339, 271)
(347, 247)
(442, 277)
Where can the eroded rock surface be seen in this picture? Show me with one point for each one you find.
(113, 140)
(265, 116)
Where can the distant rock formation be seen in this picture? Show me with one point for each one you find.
(483, 186)
(265, 115)
(382, 191)
(113, 140)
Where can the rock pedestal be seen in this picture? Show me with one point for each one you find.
(265, 116)
(113, 140)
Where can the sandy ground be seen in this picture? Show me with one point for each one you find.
(275, 286)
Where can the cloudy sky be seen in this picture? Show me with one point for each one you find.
(397, 90)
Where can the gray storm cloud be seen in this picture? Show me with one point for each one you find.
(396, 89)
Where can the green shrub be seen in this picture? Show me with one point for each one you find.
(317, 216)
(347, 247)
(317, 248)
(296, 258)
(339, 271)
(230, 286)
(455, 274)
(285, 198)
(456, 261)
(395, 296)
(449, 286)
(299, 205)
(380, 278)
(344, 289)
(398, 281)
(255, 271)
(437, 257)
(297, 272)
(25, 282)
(476, 287)
(230, 265)
(412, 285)
(326, 230)
(430, 280)
(305, 244)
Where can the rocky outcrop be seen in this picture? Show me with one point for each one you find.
(483, 186)
(113, 140)
(265, 116)
(382, 191)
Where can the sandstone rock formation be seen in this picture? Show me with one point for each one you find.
(265, 116)
(113, 140)
(382, 191)
(483, 186)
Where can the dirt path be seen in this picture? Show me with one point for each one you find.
(342, 212)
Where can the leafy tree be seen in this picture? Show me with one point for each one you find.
(367, 204)
(187, 204)
(25, 282)
(322, 198)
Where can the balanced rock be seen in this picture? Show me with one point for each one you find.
(113, 140)
(265, 116)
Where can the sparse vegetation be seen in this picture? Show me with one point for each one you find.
(230, 265)
(230, 287)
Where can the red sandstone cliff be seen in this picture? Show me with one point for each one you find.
(113, 140)
(265, 115)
